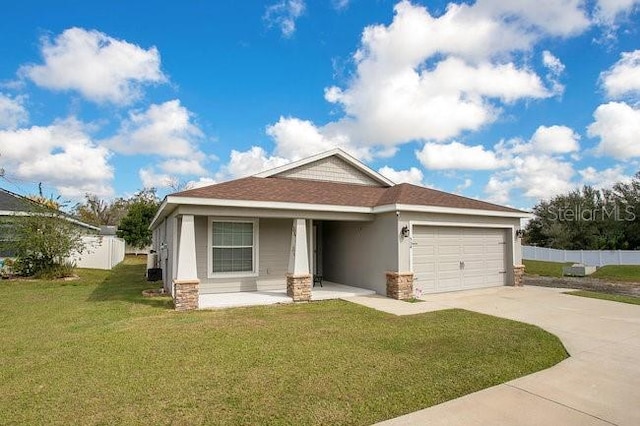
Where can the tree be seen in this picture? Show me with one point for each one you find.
(50, 202)
(43, 244)
(134, 227)
(589, 219)
(100, 212)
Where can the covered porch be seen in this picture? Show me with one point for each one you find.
(329, 290)
(286, 255)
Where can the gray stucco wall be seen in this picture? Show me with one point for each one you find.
(273, 258)
(360, 253)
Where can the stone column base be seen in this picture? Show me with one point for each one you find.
(400, 285)
(518, 275)
(185, 294)
(299, 287)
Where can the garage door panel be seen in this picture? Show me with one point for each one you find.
(438, 251)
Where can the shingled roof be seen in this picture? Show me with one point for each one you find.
(288, 190)
(10, 202)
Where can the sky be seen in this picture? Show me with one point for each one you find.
(505, 101)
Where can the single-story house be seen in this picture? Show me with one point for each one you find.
(330, 217)
(14, 205)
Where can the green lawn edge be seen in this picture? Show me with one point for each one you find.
(620, 273)
(95, 351)
(633, 300)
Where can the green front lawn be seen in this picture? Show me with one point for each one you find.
(633, 300)
(94, 351)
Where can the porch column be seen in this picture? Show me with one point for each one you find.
(186, 284)
(518, 275)
(400, 285)
(298, 277)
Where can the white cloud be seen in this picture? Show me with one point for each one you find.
(552, 63)
(12, 111)
(535, 168)
(608, 11)
(181, 166)
(165, 129)
(617, 124)
(248, 163)
(340, 4)
(431, 78)
(457, 156)
(203, 181)
(151, 179)
(100, 67)
(296, 139)
(604, 178)
(412, 175)
(284, 14)
(537, 176)
(62, 155)
(555, 140)
(550, 17)
(556, 68)
(623, 78)
(464, 185)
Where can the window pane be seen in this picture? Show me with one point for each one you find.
(232, 247)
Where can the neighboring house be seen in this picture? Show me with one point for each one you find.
(331, 216)
(14, 205)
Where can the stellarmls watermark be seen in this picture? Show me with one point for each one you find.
(578, 212)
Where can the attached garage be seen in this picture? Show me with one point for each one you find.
(458, 258)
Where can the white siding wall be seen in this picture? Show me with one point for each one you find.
(273, 258)
(360, 253)
(332, 169)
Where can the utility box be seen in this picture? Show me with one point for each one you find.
(578, 270)
(154, 274)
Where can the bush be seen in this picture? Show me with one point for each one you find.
(63, 270)
(44, 243)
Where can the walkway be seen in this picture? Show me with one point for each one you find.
(598, 385)
(329, 290)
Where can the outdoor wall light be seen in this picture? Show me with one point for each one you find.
(520, 233)
(404, 231)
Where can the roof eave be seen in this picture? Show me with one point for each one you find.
(449, 210)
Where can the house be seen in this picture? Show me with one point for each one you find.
(333, 218)
(14, 205)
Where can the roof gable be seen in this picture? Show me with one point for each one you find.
(330, 166)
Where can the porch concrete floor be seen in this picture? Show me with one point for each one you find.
(329, 290)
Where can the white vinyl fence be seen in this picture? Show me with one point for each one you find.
(102, 252)
(586, 257)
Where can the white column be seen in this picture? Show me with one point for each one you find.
(187, 269)
(299, 254)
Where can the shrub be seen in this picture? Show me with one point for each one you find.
(44, 243)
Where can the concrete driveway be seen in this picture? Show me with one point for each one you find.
(598, 385)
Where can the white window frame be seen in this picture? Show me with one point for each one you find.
(256, 243)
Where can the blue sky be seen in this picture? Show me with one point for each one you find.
(509, 102)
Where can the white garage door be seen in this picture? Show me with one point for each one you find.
(449, 259)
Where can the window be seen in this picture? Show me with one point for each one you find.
(233, 247)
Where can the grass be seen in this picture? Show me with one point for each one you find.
(94, 351)
(626, 273)
(633, 300)
(543, 269)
